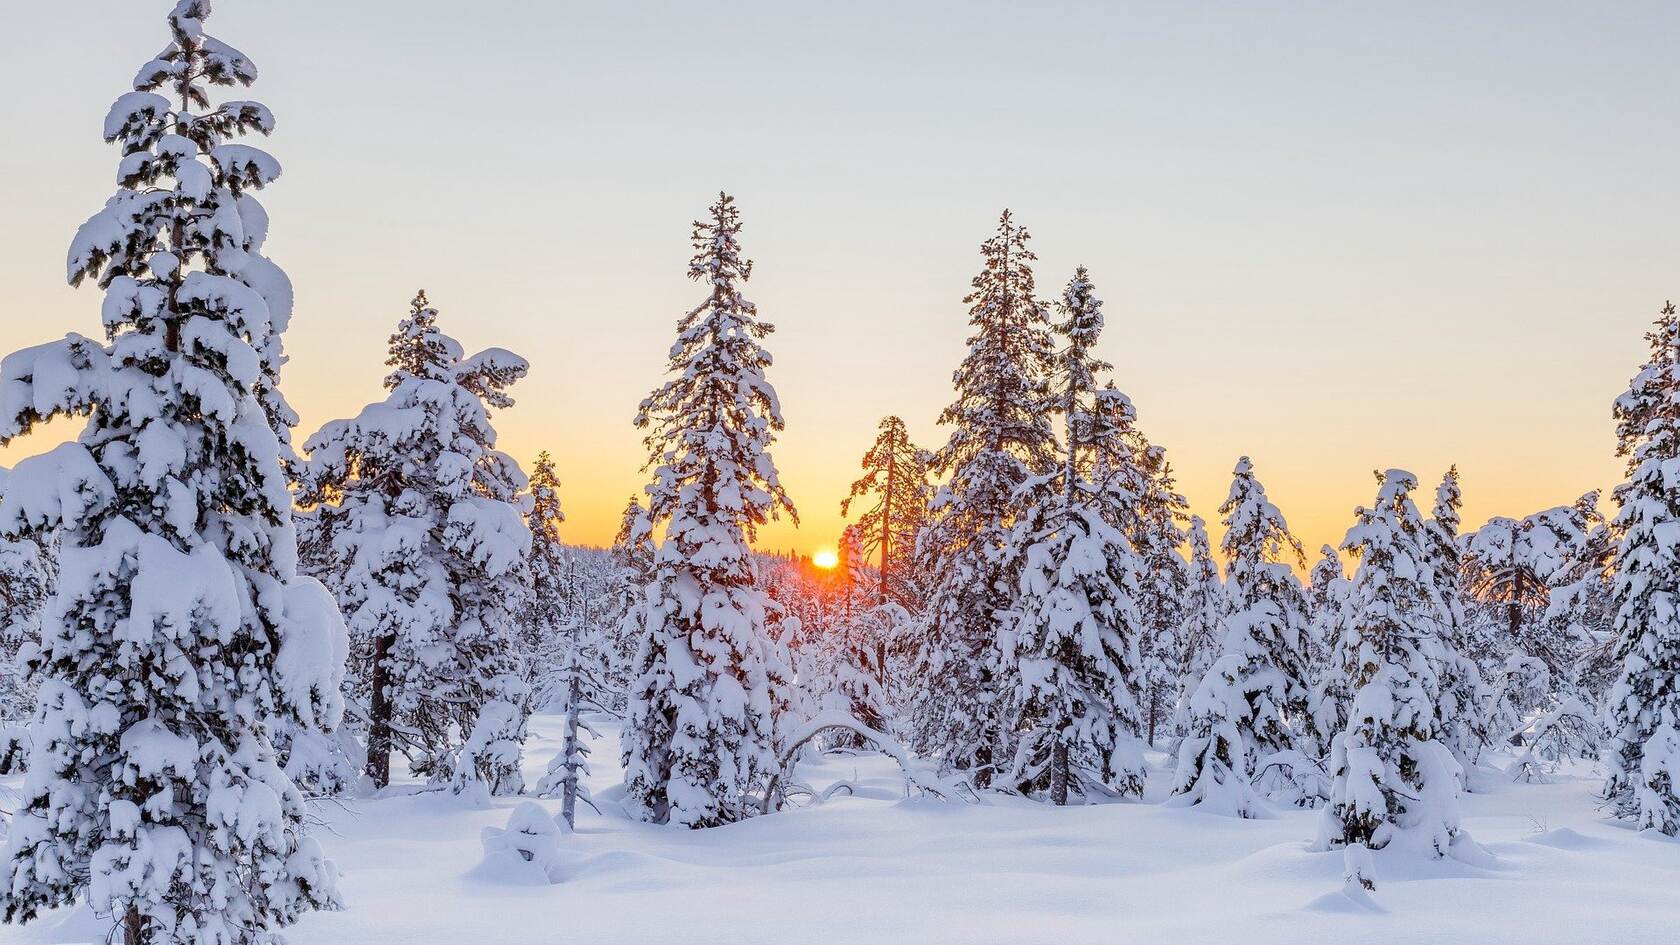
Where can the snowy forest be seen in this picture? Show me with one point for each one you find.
(352, 680)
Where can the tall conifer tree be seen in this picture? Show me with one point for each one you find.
(1329, 589)
(1143, 501)
(1202, 632)
(1465, 699)
(1000, 439)
(1073, 634)
(895, 471)
(700, 740)
(180, 640)
(553, 609)
(1643, 712)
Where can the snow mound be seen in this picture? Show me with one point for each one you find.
(1351, 900)
(1565, 839)
(524, 853)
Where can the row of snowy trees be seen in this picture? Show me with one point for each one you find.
(1050, 624)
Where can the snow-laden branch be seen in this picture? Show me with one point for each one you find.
(836, 718)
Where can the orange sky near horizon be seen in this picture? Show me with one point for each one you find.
(1333, 239)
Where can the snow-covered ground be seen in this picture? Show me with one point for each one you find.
(883, 869)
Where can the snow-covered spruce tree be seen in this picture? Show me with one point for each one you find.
(1143, 501)
(699, 744)
(179, 636)
(553, 584)
(564, 644)
(1643, 711)
(1329, 588)
(1000, 438)
(1241, 711)
(895, 472)
(428, 559)
(632, 547)
(1326, 586)
(1392, 777)
(632, 568)
(1465, 698)
(1202, 631)
(1072, 634)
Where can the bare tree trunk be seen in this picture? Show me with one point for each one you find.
(886, 518)
(1513, 613)
(568, 748)
(1059, 773)
(379, 716)
(134, 927)
(983, 760)
(1514, 608)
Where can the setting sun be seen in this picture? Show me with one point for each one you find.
(826, 558)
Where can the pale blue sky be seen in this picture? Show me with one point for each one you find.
(1334, 236)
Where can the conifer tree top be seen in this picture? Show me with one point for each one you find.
(1001, 388)
(715, 418)
(1449, 498)
(545, 516)
(1255, 530)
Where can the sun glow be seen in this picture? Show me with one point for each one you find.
(826, 558)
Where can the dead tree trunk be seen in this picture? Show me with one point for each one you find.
(1059, 773)
(886, 520)
(379, 715)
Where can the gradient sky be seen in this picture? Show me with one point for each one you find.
(1334, 236)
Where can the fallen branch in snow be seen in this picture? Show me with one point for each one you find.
(835, 718)
(849, 787)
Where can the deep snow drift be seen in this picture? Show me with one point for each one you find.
(882, 869)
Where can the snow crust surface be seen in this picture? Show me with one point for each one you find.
(876, 867)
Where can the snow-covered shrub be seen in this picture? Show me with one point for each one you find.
(1569, 730)
(527, 848)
